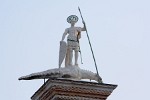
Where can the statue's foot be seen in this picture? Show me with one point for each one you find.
(76, 65)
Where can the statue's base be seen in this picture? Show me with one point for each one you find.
(63, 89)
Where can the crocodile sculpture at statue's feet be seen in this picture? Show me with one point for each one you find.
(72, 72)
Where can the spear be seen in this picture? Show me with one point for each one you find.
(89, 41)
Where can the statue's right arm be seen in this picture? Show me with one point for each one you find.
(64, 35)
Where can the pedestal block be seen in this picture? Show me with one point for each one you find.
(63, 89)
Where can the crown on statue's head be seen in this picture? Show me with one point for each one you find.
(72, 18)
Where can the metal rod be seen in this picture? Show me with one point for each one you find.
(79, 48)
(44, 80)
(89, 41)
(80, 55)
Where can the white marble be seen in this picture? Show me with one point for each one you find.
(70, 72)
(74, 34)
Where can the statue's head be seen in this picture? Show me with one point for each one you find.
(72, 19)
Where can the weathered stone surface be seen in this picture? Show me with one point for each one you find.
(63, 89)
(72, 72)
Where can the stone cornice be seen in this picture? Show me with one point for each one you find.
(62, 88)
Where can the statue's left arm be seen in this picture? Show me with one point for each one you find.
(84, 26)
(81, 29)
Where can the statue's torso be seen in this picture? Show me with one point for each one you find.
(73, 33)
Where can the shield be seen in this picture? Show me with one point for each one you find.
(62, 52)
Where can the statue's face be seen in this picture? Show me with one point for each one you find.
(72, 22)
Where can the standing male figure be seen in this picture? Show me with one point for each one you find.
(74, 34)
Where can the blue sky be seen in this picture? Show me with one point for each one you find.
(30, 31)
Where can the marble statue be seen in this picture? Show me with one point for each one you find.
(70, 71)
(74, 34)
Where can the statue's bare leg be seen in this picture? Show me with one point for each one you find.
(70, 56)
(76, 57)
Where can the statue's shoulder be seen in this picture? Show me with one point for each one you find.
(78, 28)
(66, 30)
